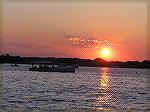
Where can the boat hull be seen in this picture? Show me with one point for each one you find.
(63, 69)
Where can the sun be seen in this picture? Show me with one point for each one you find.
(105, 52)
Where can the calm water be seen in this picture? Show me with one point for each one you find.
(89, 88)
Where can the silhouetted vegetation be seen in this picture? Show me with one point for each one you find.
(98, 62)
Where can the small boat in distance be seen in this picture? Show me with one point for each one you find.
(14, 64)
(76, 65)
(49, 67)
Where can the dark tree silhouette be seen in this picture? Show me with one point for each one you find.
(97, 62)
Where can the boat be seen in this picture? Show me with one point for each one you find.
(76, 65)
(49, 67)
(14, 64)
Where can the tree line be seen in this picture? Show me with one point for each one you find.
(98, 62)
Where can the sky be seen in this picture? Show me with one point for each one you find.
(79, 30)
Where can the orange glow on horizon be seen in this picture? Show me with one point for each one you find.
(53, 30)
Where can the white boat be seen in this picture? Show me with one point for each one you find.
(14, 64)
(49, 67)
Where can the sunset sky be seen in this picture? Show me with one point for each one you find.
(76, 30)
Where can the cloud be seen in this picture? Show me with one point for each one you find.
(13, 43)
(24, 44)
(85, 42)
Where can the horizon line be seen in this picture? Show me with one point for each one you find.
(72, 58)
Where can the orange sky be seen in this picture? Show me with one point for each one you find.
(75, 30)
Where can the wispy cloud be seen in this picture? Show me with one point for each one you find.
(85, 42)
(25, 44)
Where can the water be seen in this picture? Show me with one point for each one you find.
(89, 88)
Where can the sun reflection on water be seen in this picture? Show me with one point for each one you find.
(104, 81)
(103, 99)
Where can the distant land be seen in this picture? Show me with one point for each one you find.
(97, 62)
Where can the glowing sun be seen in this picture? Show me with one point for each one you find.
(105, 52)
